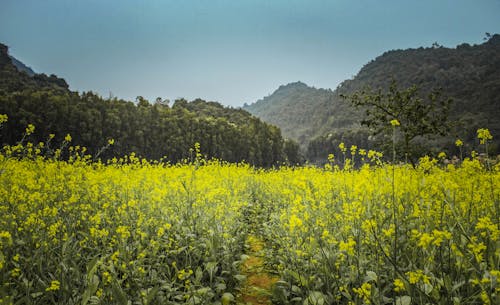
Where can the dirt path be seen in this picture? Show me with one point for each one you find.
(257, 288)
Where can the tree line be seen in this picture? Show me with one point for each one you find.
(150, 130)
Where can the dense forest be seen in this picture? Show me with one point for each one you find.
(150, 130)
(320, 119)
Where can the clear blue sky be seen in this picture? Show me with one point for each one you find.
(231, 51)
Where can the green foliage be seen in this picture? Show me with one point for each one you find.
(469, 74)
(304, 112)
(405, 109)
(320, 147)
(152, 131)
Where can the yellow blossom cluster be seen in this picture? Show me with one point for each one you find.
(134, 231)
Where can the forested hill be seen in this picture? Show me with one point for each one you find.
(151, 130)
(304, 112)
(319, 118)
(17, 77)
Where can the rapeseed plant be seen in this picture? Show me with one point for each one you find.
(81, 232)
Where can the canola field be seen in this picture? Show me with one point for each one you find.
(138, 232)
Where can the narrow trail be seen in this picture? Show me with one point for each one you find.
(257, 287)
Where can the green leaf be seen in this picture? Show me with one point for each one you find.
(92, 267)
(370, 276)
(92, 280)
(118, 293)
(457, 285)
(203, 291)
(315, 298)
(198, 274)
(227, 298)
(36, 295)
(296, 289)
(404, 300)
(92, 286)
(428, 288)
(151, 295)
(210, 266)
(220, 287)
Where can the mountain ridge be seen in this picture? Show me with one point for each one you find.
(21, 67)
(154, 131)
(469, 74)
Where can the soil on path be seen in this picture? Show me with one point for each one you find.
(259, 282)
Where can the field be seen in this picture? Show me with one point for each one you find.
(138, 232)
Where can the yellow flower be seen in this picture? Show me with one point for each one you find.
(342, 147)
(295, 222)
(477, 249)
(425, 240)
(485, 297)
(15, 272)
(331, 158)
(486, 226)
(459, 143)
(123, 232)
(364, 292)
(395, 122)
(440, 236)
(5, 238)
(183, 274)
(354, 148)
(399, 285)
(348, 246)
(483, 134)
(54, 286)
(114, 256)
(30, 129)
(67, 138)
(3, 118)
(415, 277)
(106, 276)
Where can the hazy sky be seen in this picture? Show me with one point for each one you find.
(231, 51)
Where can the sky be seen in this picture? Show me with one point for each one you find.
(230, 51)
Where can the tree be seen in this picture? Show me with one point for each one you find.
(417, 117)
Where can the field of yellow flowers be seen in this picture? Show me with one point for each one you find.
(138, 232)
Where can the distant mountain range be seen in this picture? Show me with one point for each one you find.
(469, 74)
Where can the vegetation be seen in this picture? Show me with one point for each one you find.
(469, 74)
(115, 223)
(136, 232)
(415, 117)
(153, 131)
(303, 112)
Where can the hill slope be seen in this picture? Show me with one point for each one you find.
(21, 67)
(470, 75)
(152, 131)
(304, 112)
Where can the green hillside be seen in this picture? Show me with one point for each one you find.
(319, 119)
(150, 130)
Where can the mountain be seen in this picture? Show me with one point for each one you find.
(149, 130)
(21, 67)
(304, 112)
(320, 118)
(15, 76)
